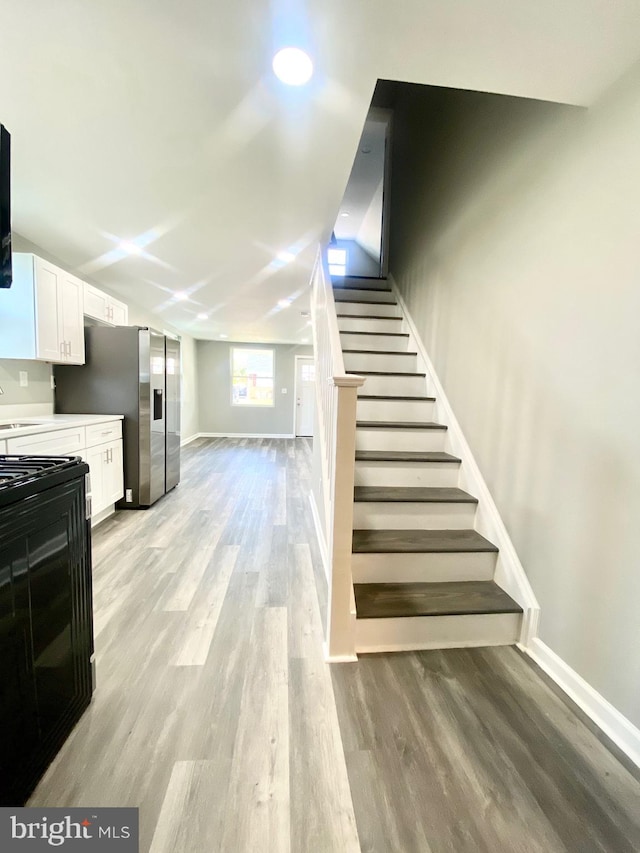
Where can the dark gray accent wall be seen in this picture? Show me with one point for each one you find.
(217, 415)
(514, 234)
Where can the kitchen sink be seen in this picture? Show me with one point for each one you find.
(18, 425)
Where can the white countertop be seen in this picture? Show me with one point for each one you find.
(48, 423)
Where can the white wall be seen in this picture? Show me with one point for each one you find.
(217, 415)
(370, 233)
(515, 243)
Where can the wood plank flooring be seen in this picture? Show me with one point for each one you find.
(216, 714)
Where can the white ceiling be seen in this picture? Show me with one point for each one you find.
(161, 121)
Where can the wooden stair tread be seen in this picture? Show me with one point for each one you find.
(399, 425)
(458, 598)
(385, 373)
(358, 278)
(420, 542)
(378, 352)
(380, 334)
(361, 287)
(405, 456)
(365, 317)
(366, 302)
(396, 397)
(412, 494)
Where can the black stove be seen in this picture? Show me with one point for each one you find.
(46, 639)
(24, 475)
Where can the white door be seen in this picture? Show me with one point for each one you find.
(305, 395)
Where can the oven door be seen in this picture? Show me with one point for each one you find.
(45, 631)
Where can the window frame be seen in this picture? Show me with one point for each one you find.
(233, 375)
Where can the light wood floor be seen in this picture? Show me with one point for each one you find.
(216, 714)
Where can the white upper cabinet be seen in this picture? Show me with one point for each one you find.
(101, 306)
(41, 314)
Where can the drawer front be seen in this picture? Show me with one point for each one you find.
(61, 442)
(102, 433)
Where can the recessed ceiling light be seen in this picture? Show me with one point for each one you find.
(224, 336)
(130, 248)
(292, 66)
(181, 296)
(203, 316)
(304, 340)
(344, 214)
(286, 257)
(365, 150)
(284, 303)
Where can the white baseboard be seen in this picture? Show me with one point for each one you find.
(510, 574)
(246, 435)
(191, 438)
(338, 658)
(102, 515)
(616, 726)
(320, 535)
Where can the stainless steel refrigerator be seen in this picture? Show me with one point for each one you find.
(131, 371)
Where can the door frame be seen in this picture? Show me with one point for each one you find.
(295, 393)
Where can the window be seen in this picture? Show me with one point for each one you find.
(251, 377)
(308, 372)
(337, 259)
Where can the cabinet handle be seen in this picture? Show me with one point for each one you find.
(111, 454)
(69, 349)
(63, 350)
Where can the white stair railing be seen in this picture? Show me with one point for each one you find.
(336, 397)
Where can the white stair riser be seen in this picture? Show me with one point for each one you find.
(394, 386)
(376, 342)
(400, 439)
(340, 294)
(401, 515)
(350, 281)
(396, 410)
(437, 632)
(397, 363)
(423, 568)
(445, 474)
(369, 324)
(371, 310)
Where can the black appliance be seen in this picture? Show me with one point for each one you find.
(46, 625)
(5, 208)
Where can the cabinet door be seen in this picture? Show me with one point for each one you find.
(95, 303)
(114, 480)
(49, 346)
(119, 313)
(96, 460)
(71, 317)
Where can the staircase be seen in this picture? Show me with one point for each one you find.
(423, 576)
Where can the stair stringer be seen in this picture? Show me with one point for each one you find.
(509, 571)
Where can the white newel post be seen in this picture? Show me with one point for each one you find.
(340, 644)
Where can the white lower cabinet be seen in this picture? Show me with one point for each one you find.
(107, 481)
(104, 457)
(100, 445)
